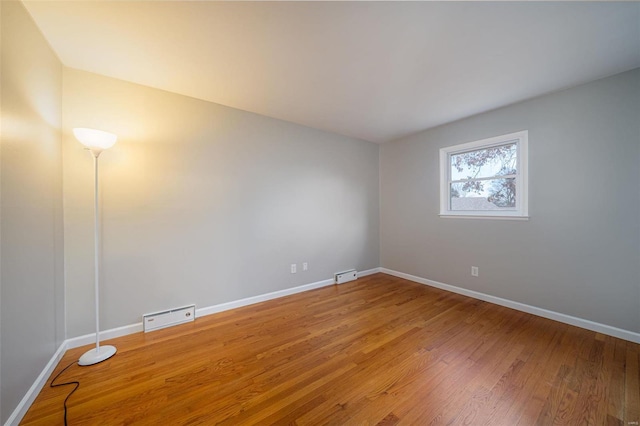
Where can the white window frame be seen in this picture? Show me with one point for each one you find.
(521, 212)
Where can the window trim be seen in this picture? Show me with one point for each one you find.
(522, 205)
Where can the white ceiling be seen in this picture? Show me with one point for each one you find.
(372, 70)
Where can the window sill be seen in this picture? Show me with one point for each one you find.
(470, 216)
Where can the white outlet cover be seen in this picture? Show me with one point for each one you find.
(293, 268)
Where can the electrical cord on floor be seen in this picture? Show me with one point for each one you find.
(74, 382)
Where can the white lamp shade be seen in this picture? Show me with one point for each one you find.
(95, 139)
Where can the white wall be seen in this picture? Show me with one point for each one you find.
(579, 253)
(31, 292)
(206, 204)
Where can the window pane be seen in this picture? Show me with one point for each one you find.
(488, 162)
(491, 194)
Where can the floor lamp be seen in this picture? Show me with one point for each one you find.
(96, 141)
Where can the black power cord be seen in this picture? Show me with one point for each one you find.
(74, 382)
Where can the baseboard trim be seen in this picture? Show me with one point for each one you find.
(209, 310)
(541, 312)
(260, 298)
(22, 408)
(368, 272)
(88, 339)
(273, 295)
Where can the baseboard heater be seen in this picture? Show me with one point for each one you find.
(171, 317)
(346, 276)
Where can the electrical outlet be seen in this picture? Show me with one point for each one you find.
(474, 271)
(305, 266)
(293, 268)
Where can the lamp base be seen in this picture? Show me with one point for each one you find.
(93, 357)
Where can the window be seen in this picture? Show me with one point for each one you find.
(486, 178)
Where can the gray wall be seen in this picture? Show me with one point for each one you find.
(579, 253)
(206, 204)
(31, 293)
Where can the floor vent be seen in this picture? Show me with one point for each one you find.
(346, 276)
(164, 319)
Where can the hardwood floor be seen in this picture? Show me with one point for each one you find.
(380, 350)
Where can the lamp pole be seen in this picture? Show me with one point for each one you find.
(96, 242)
(96, 141)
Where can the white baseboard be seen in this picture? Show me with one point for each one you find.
(368, 272)
(137, 327)
(87, 339)
(22, 408)
(260, 298)
(567, 319)
(269, 296)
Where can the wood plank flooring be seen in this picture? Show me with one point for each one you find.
(377, 351)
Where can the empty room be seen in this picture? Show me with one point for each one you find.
(322, 212)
